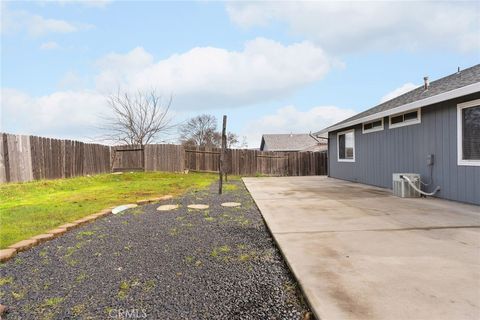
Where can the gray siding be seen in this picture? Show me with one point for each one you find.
(405, 149)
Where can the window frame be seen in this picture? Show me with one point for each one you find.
(338, 145)
(460, 107)
(405, 123)
(373, 129)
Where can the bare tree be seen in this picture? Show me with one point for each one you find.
(244, 143)
(232, 139)
(199, 131)
(202, 131)
(137, 118)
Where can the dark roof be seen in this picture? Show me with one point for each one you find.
(448, 83)
(287, 142)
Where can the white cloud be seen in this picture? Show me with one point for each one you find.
(35, 25)
(216, 77)
(118, 69)
(63, 113)
(289, 119)
(202, 78)
(86, 3)
(398, 91)
(50, 45)
(348, 26)
(72, 81)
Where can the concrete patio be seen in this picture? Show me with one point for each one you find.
(361, 253)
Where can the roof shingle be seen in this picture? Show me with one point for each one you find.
(448, 83)
(287, 142)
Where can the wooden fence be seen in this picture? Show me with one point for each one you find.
(164, 157)
(25, 158)
(128, 158)
(246, 162)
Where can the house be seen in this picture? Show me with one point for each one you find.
(433, 130)
(292, 142)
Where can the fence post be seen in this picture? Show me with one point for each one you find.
(6, 161)
(222, 153)
(143, 156)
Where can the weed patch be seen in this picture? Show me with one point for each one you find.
(7, 280)
(83, 234)
(123, 289)
(52, 302)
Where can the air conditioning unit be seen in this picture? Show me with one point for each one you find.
(401, 188)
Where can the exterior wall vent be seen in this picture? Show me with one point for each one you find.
(402, 189)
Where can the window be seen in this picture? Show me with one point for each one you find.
(373, 126)
(468, 133)
(346, 146)
(405, 119)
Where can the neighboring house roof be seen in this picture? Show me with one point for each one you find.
(287, 142)
(321, 146)
(452, 86)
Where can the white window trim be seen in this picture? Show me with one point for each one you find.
(460, 107)
(338, 146)
(405, 123)
(373, 129)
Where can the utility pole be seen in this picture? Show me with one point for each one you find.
(222, 154)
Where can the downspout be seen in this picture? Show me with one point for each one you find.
(328, 155)
(328, 149)
(311, 135)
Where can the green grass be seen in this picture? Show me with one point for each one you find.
(52, 302)
(4, 281)
(31, 208)
(217, 251)
(230, 187)
(123, 289)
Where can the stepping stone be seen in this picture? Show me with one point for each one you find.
(124, 207)
(165, 197)
(23, 245)
(57, 232)
(43, 237)
(198, 206)
(168, 207)
(3, 310)
(68, 226)
(118, 172)
(6, 254)
(104, 212)
(84, 220)
(100, 214)
(231, 204)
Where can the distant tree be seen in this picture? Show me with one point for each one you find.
(137, 118)
(201, 131)
(244, 143)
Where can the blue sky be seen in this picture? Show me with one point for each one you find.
(270, 66)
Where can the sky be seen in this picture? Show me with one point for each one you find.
(271, 67)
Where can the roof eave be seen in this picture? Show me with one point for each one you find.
(459, 92)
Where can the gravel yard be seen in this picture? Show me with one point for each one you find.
(216, 263)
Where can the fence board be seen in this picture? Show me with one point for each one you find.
(128, 158)
(24, 158)
(252, 162)
(19, 158)
(3, 174)
(164, 157)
